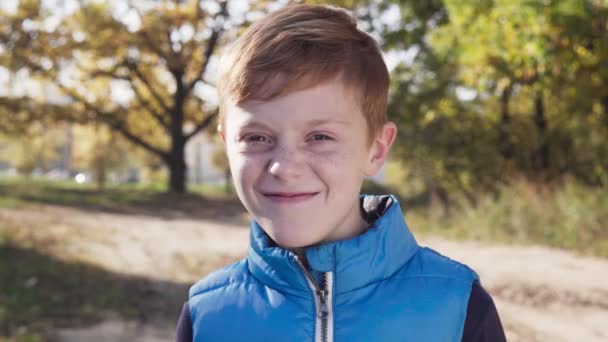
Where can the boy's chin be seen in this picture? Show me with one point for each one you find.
(288, 241)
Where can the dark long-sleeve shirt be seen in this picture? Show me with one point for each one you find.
(482, 323)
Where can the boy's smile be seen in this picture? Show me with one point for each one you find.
(289, 197)
(298, 162)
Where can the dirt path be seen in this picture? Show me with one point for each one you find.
(541, 294)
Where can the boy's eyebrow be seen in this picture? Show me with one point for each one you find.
(320, 122)
(254, 124)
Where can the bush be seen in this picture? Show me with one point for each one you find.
(571, 216)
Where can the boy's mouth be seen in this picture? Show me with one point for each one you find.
(289, 197)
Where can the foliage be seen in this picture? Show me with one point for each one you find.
(59, 150)
(100, 150)
(39, 146)
(569, 216)
(139, 70)
(482, 91)
(500, 89)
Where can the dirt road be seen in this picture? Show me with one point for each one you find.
(541, 294)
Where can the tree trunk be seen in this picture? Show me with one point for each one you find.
(542, 154)
(177, 164)
(177, 170)
(505, 147)
(176, 160)
(100, 174)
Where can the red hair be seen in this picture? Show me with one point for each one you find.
(300, 46)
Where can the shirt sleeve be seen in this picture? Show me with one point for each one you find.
(184, 325)
(482, 323)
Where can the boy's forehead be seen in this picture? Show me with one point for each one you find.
(329, 102)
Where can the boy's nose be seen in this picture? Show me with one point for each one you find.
(285, 163)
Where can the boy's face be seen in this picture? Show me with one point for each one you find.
(298, 162)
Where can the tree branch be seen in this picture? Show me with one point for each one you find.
(144, 34)
(202, 125)
(120, 127)
(140, 98)
(110, 74)
(211, 44)
(152, 46)
(111, 119)
(133, 67)
(146, 104)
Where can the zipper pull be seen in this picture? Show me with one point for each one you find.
(323, 311)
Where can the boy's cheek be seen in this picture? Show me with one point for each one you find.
(245, 170)
(243, 161)
(236, 158)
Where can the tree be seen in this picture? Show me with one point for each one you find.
(531, 54)
(493, 90)
(38, 147)
(101, 151)
(137, 69)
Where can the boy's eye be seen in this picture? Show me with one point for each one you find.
(320, 137)
(256, 139)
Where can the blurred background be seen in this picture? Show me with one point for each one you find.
(115, 193)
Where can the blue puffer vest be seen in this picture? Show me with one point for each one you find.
(378, 286)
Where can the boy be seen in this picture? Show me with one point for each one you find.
(303, 116)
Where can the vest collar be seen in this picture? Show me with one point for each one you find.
(370, 257)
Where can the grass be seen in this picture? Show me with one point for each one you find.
(10, 202)
(18, 191)
(201, 202)
(571, 216)
(37, 291)
(40, 292)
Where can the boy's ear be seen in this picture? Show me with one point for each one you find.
(380, 148)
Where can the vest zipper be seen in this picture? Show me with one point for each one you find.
(323, 302)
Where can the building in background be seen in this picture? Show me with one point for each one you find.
(199, 159)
